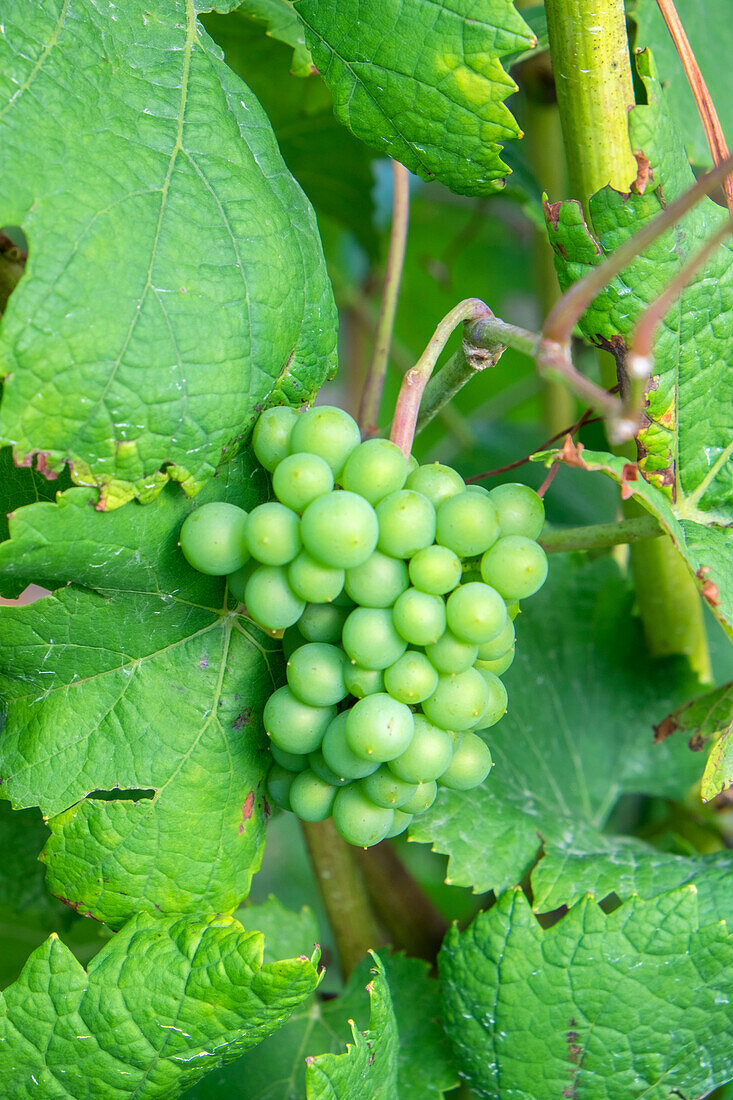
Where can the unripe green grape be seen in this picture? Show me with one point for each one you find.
(271, 437)
(338, 754)
(435, 569)
(279, 782)
(412, 464)
(377, 582)
(301, 478)
(358, 820)
(294, 726)
(237, 581)
(340, 529)
(422, 799)
(459, 701)
(451, 654)
(386, 789)
(475, 612)
(515, 566)
(312, 581)
(472, 487)
(497, 647)
(292, 639)
(315, 674)
(374, 469)
(467, 524)
(496, 701)
(272, 534)
(419, 617)
(311, 798)
(270, 600)
(400, 823)
(362, 681)
(426, 757)
(406, 523)
(379, 728)
(499, 664)
(291, 761)
(370, 639)
(519, 510)
(212, 538)
(328, 432)
(323, 622)
(436, 482)
(470, 765)
(411, 678)
(318, 765)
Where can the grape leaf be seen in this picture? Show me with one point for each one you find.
(582, 700)
(286, 933)
(710, 31)
(21, 485)
(636, 1003)
(134, 706)
(424, 1067)
(706, 718)
(163, 1003)
(423, 82)
(283, 24)
(214, 296)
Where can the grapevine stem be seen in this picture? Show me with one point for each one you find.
(414, 924)
(599, 535)
(374, 385)
(343, 891)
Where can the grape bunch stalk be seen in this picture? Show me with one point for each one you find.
(395, 586)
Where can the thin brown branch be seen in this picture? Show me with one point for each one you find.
(703, 99)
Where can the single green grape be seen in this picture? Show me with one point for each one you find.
(315, 674)
(496, 702)
(291, 761)
(472, 487)
(272, 533)
(270, 600)
(271, 437)
(212, 538)
(515, 566)
(379, 728)
(338, 754)
(311, 798)
(411, 678)
(406, 523)
(374, 469)
(322, 622)
(451, 654)
(237, 581)
(377, 582)
(467, 524)
(419, 617)
(370, 639)
(312, 581)
(386, 789)
(339, 529)
(328, 432)
(470, 765)
(422, 799)
(436, 482)
(362, 681)
(497, 647)
(475, 612)
(412, 464)
(294, 726)
(459, 701)
(317, 762)
(519, 510)
(399, 824)
(358, 820)
(427, 756)
(499, 664)
(435, 569)
(279, 782)
(301, 478)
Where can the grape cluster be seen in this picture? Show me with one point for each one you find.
(396, 586)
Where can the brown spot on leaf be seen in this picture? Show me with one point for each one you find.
(665, 729)
(697, 742)
(243, 718)
(248, 806)
(571, 453)
(204, 662)
(711, 593)
(630, 472)
(643, 173)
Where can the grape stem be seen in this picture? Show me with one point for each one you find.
(344, 894)
(414, 924)
(597, 536)
(374, 385)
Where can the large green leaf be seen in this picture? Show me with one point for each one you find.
(141, 686)
(578, 734)
(176, 280)
(710, 31)
(423, 82)
(283, 24)
(165, 1002)
(708, 718)
(596, 1007)
(21, 485)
